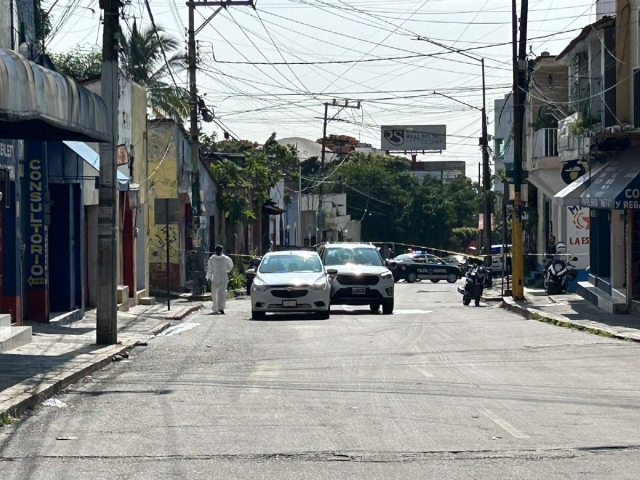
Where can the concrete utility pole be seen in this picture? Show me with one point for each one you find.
(519, 78)
(484, 143)
(484, 185)
(486, 175)
(194, 131)
(342, 105)
(107, 313)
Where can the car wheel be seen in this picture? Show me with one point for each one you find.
(411, 277)
(435, 281)
(258, 315)
(375, 307)
(452, 278)
(387, 307)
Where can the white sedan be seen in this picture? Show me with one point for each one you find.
(288, 282)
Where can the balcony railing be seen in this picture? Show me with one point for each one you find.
(545, 143)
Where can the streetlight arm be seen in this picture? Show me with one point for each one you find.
(458, 101)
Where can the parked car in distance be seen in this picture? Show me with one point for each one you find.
(291, 282)
(362, 276)
(497, 265)
(459, 261)
(432, 268)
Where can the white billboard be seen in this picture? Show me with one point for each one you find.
(414, 137)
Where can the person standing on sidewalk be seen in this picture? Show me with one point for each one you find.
(218, 268)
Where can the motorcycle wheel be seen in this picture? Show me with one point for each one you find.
(466, 301)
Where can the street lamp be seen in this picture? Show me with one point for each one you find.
(484, 142)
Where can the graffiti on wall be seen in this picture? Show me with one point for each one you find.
(158, 247)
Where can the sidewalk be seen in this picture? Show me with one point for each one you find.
(60, 355)
(573, 311)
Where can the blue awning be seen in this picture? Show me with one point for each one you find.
(92, 157)
(617, 186)
(39, 104)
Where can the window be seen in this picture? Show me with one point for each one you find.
(352, 256)
(498, 147)
(291, 264)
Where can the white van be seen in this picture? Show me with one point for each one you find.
(497, 252)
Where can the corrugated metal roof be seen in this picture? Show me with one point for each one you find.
(92, 157)
(37, 103)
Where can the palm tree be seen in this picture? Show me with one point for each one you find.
(142, 60)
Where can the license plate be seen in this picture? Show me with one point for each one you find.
(289, 303)
(359, 291)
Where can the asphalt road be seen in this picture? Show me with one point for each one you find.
(436, 390)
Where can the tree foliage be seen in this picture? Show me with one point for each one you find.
(142, 61)
(244, 184)
(395, 206)
(79, 63)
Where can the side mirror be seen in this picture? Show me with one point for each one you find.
(251, 271)
(574, 259)
(332, 272)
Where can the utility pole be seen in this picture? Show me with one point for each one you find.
(194, 131)
(519, 73)
(342, 105)
(486, 179)
(107, 314)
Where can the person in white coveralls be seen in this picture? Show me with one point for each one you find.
(218, 268)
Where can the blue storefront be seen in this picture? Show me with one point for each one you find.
(41, 258)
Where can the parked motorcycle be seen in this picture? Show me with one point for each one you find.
(474, 285)
(558, 274)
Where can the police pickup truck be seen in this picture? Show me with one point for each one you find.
(413, 267)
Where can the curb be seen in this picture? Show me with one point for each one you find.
(182, 313)
(27, 396)
(560, 321)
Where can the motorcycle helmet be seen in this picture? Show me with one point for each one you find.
(561, 248)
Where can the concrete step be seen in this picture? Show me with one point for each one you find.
(123, 307)
(122, 294)
(14, 337)
(600, 299)
(5, 320)
(147, 301)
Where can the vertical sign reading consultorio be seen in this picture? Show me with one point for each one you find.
(36, 254)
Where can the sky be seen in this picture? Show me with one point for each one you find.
(271, 69)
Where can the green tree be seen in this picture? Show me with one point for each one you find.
(141, 60)
(258, 171)
(79, 63)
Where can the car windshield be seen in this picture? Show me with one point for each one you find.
(405, 256)
(290, 264)
(353, 256)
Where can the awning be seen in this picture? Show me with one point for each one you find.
(570, 195)
(39, 104)
(270, 208)
(617, 186)
(549, 181)
(92, 157)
